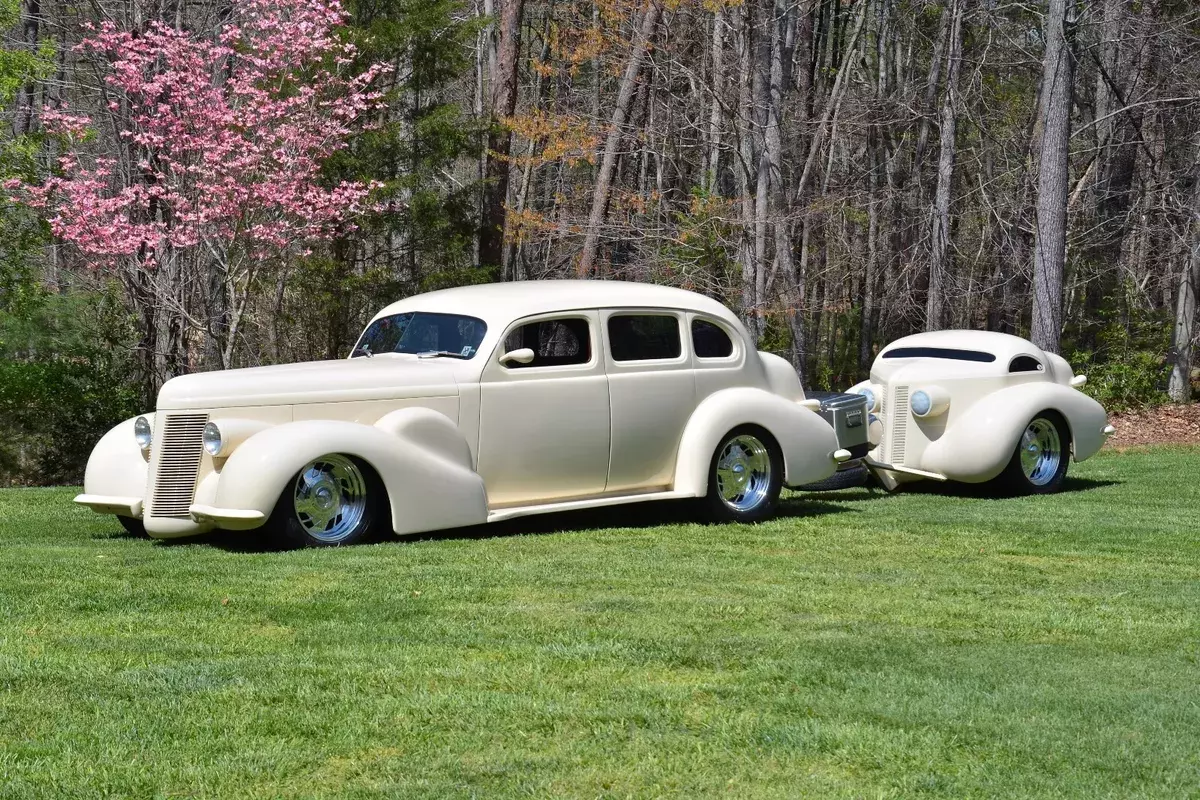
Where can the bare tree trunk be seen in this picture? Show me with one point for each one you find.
(781, 24)
(591, 241)
(763, 28)
(1050, 231)
(931, 86)
(503, 103)
(1183, 336)
(31, 16)
(866, 311)
(717, 85)
(939, 234)
(747, 172)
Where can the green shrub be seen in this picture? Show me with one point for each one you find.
(52, 412)
(1126, 367)
(65, 379)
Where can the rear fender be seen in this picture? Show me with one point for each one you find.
(806, 441)
(978, 445)
(419, 454)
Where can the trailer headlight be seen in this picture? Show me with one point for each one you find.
(143, 433)
(922, 403)
(929, 402)
(212, 439)
(872, 394)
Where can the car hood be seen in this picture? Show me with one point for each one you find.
(379, 378)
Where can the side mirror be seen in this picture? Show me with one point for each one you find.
(523, 356)
(1078, 380)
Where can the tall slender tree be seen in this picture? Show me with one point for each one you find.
(1050, 230)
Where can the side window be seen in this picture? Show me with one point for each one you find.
(644, 337)
(710, 341)
(555, 342)
(1025, 364)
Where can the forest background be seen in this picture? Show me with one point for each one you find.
(206, 184)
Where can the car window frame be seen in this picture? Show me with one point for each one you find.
(1041, 367)
(683, 360)
(734, 339)
(497, 371)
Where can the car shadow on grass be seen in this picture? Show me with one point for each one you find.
(978, 491)
(983, 491)
(632, 515)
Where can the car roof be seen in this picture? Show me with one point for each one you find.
(500, 303)
(1003, 346)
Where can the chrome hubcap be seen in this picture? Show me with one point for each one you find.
(330, 498)
(743, 473)
(1041, 452)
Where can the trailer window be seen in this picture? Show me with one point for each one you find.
(940, 352)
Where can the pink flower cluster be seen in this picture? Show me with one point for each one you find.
(221, 138)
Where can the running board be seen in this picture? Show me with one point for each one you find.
(577, 505)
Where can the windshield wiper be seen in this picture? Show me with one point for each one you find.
(440, 354)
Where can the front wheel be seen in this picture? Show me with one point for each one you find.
(333, 501)
(1039, 463)
(133, 527)
(745, 477)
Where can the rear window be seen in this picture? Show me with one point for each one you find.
(710, 341)
(1025, 364)
(644, 337)
(940, 352)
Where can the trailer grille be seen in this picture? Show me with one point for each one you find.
(178, 465)
(899, 420)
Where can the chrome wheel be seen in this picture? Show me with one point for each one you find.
(1041, 451)
(744, 473)
(330, 498)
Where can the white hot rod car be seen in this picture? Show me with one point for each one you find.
(974, 407)
(478, 404)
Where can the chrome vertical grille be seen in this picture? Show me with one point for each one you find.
(178, 465)
(899, 420)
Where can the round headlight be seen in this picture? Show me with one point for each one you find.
(921, 402)
(142, 432)
(870, 395)
(212, 439)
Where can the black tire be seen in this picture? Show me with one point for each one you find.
(291, 525)
(847, 478)
(134, 527)
(1046, 428)
(757, 450)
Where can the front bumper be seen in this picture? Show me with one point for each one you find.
(121, 506)
(202, 517)
(231, 519)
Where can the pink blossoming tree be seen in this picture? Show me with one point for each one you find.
(201, 166)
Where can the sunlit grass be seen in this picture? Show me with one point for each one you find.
(921, 644)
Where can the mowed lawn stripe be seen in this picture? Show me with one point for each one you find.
(929, 643)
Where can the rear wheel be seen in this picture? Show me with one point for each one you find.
(1039, 463)
(745, 476)
(334, 500)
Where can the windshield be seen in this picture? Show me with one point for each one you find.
(420, 332)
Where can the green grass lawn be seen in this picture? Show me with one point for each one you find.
(920, 644)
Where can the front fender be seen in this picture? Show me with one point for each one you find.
(806, 440)
(117, 467)
(977, 445)
(419, 454)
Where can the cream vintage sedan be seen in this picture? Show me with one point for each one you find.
(976, 407)
(474, 405)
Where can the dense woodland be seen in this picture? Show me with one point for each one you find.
(203, 184)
